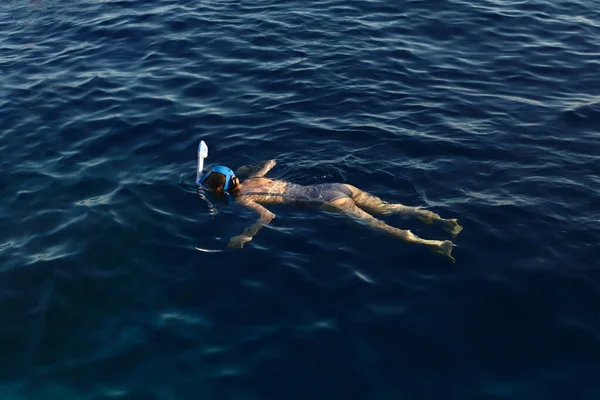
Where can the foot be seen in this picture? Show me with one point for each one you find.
(445, 249)
(452, 226)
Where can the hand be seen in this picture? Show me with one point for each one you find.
(267, 163)
(237, 242)
(245, 170)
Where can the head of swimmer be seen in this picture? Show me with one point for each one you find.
(216, 183)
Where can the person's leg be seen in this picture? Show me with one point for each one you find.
(375, 205)
(347, 206)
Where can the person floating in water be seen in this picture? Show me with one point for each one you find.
(257, 190)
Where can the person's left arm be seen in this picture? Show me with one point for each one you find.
(266, 216)
(258, 170)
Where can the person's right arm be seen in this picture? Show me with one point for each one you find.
(265, 216)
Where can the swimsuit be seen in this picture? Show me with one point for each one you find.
(315, 195)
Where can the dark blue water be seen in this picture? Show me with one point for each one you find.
(486, 111)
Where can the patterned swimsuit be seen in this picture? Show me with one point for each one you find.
(315, 195)
(312, 196)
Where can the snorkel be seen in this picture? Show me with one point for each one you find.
(202, 154)
(201, 178)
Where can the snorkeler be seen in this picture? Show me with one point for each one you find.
(256, 191)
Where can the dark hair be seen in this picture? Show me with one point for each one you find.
(216, 182)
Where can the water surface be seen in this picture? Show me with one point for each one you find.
(486, 111)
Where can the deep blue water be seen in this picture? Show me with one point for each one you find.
(487, 111)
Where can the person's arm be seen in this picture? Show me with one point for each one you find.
(258, 170)
(266, 216)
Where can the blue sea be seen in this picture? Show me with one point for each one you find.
(115, 277)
